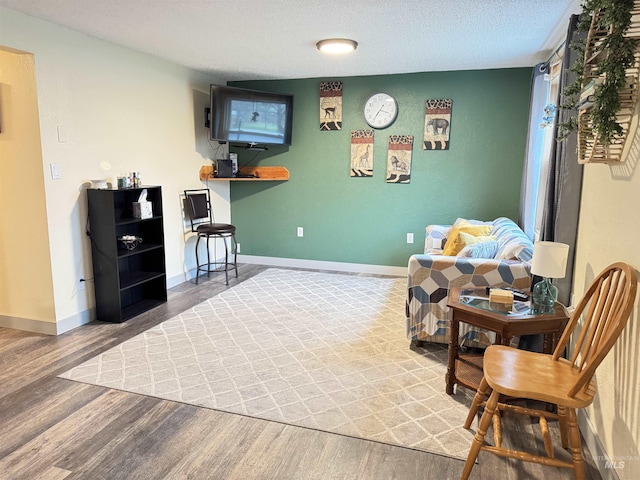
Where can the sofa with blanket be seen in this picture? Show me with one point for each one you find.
(467, 254)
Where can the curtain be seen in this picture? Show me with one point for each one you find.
(562, 201)
(531, 173)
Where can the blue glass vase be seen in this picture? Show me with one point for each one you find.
(544, 296)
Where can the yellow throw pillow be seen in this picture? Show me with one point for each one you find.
(455, 243)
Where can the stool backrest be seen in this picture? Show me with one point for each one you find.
(197, 207)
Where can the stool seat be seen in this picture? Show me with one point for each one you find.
(216, 228)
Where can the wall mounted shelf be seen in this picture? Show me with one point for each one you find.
(263, 174)
(590, 148)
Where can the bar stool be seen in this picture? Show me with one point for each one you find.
(197, 206)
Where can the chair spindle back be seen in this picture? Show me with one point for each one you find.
(602, 312)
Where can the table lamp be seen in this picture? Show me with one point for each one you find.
(549, 261)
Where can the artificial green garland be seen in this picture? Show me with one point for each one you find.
(618, 55)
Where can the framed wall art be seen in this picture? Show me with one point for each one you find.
(399, 158)
(437, 124)
(362, 153)
(330, 105)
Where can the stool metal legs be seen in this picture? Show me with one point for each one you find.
(206, 267)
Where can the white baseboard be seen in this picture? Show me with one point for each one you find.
(28, 325)
(322, 265)
(185, 276)
(74, 321)
(601, 458)
(181, 278)
(47, 328)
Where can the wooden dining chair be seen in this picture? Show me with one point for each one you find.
(596, 323)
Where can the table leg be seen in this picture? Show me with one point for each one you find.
(453, 355)
(548, 343)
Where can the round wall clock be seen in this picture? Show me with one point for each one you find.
(380, 110)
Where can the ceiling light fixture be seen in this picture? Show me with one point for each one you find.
(337, 45)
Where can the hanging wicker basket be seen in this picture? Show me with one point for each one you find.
(590, 147)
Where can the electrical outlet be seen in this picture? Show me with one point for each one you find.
(81, 284)
(409, 237)
(237, 248)
(300, 232)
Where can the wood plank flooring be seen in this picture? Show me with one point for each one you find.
(52, 428)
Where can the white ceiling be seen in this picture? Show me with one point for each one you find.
(274, 39)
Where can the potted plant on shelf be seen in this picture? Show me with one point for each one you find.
(601, 69)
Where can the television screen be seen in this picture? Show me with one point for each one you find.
(250, 117)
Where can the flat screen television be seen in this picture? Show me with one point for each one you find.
(250, 117)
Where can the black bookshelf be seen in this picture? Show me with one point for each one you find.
(127, 282)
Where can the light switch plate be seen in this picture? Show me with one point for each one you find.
(55, 171)
(62, 134)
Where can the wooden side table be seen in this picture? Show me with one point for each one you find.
(473, 307)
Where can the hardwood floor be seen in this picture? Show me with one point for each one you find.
(52, 428)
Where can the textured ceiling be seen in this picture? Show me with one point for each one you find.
(265, 39)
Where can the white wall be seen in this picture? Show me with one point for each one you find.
(609, 229)
(105, 110)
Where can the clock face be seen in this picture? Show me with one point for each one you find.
(380, 110)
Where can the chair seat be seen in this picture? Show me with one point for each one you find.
(216, 229)
(535, 376)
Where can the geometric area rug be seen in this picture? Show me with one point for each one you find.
(318, 350)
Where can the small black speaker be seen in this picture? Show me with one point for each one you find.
(224, 169)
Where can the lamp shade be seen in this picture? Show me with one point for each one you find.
(549, 259)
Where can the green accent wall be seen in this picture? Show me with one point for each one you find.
(366, 220)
